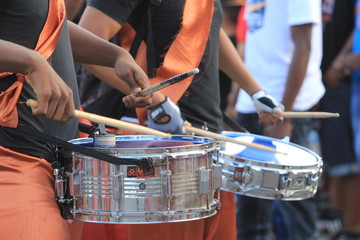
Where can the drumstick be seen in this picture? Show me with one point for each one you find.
(309, 115)
(255, 7)
(229, 139)
(167, 82)
(110, 121)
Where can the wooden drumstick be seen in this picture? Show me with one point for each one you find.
(110, 121)
(256, 7)
(309, 115)
(167, 82)
(216, 136)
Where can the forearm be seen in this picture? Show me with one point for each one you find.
(339, 64)
(93, 50)
(353, 62)
(108, 75)
(90, 49)
(18, 59)
(348, 44)
(231, 63)
(297, 69)
(54, 96)
(104, 27)
(296, 75)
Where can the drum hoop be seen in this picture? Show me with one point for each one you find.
(248, 161)
(257, 163)
(156, 153)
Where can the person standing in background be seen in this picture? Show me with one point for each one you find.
(343, 176)
(283, 52)
(349, 64)
(352, 65)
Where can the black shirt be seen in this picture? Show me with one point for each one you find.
(201, 101)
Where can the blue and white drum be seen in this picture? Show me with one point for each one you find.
(180, 187)
(264, 174)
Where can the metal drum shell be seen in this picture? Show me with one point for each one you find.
(267, 179)
(181, 187)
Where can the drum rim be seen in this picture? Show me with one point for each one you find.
(318, 158)
(205, 142)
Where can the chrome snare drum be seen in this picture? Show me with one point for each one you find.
(269, 175)
(179, 187)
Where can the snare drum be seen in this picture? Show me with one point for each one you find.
(180, 186)
(262, 174)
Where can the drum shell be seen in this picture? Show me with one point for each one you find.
(266, 179)
(181, 186)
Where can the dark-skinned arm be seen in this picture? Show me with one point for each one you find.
(232, 64)
(55, 97)
(91, 49)
(106, 28)
(301, 36)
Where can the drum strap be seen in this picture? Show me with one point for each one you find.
(145, 163)
(145, 32)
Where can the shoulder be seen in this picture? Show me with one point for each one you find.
(119, 10)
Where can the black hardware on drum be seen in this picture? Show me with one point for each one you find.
(62, 167)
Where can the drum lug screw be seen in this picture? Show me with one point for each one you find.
(284, 183)
(312, 180)
(246, 177)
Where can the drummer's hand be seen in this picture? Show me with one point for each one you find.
(54, 96)
(279, 130)
(166, 117)
(127, 69)
(334, 74)
(269, 110)
(134, 101)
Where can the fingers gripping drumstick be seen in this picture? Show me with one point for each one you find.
(167, 82)
(110, 121)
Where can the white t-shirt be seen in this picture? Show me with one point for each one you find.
(269, 48)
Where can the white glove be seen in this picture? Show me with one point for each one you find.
(264, 102)
(174, 124)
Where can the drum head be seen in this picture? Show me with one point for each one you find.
(146, 141)
(294, 155)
